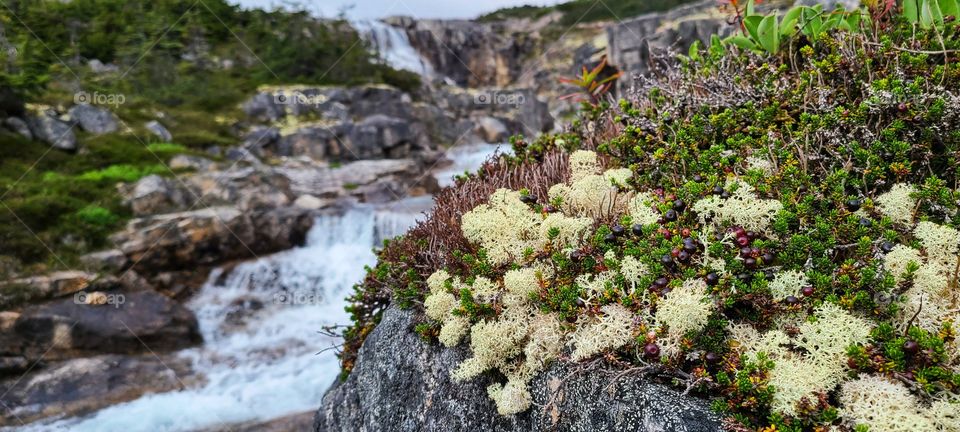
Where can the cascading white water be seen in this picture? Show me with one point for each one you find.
(261, 324)
(393, 46)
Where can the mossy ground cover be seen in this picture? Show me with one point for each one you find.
(777, 233)
(58, 205)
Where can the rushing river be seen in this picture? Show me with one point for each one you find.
(264, 354)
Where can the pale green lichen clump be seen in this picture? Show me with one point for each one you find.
(505, 227)
(888, 406)
(686, 309)
(808, 347)
(824, 337)
(742, 208)
(788, 283)
(898, 204)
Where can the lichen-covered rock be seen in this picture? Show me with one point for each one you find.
(400, 383)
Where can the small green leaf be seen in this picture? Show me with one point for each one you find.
(752, 23)
(741, 42)
(854, 19)
(929, 11)
(911, 11)
(694, 51)
(788, 27)
(751, 8)
(936, 12)
(950, 8)
(716, 45)
(833, 21)
(768, 34)
(811, 22)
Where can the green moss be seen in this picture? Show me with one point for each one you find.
(57, 205)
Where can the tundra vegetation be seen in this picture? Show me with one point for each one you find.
(769, 222)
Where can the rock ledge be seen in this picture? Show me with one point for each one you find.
(402, 384)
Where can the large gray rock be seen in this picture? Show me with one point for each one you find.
(375, 137)
(48, 286)
(112, 260)
(368, 180)
(127, 322)
(399, 383)
(259, 138)
(492, 130)
(18, 126)
(632, 44)
(520, 110)
(203, 238)
(80, 386)
(264, 106)
(383, 136)
(48, 128)
(93, 119)
(154, 194)
(468, 53)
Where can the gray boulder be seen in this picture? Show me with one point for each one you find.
(56, 284)
(48, 128)
(264, 106)
(375, 137)
(383, 136)
(80, 386)
(400, 383)
(202, 238)
(260, 137)
(158, 130)
(18, 126)
(94, 119)
(154, 194)
(110, 260)
(122, 324)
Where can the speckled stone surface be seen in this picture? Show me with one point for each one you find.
(402, 384)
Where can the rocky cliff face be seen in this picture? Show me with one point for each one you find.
(401, 383)
(634, 41)
(468, 53)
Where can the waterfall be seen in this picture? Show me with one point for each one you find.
(261, 323)
(393, 45)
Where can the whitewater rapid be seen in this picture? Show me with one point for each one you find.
(264, 354)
